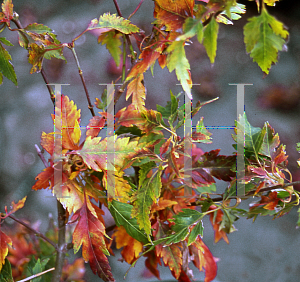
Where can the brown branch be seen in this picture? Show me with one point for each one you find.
(41, 155)
(52, 96)
(34, 231)
(251, 193)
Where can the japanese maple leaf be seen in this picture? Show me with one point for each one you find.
(89, 233)
(203, 258)
(7, 11)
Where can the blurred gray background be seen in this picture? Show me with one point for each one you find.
(262, 251)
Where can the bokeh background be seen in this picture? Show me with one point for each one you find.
(262, 251)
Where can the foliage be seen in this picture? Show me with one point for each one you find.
(154, 217)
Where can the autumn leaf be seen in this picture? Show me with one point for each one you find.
(7, 11)
(177, 60)
(132, 247)
(203, 258)
(191, 27)
(89, 233)
(202, 134)
(108, 22)
(4, 242)
(95, 125)
(137, 90)
(264, 36)
(94, 151)
(172, 14)
(4, 239)
(216, 219)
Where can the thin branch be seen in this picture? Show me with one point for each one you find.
(90, 106)
(136, 9)
(52, 96)
(34, 231)
(118, 8)
(36, 275)
(41, 155)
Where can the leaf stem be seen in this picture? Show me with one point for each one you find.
(90, 106)
(34, 231)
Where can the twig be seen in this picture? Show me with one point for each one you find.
(133, 54)
(52, 96)
(34, 231)
(90, 106)
(36, 275)
(136, 9)
(41, 155)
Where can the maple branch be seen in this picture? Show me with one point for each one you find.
(34, 231)
(90, 106)
(251, 193)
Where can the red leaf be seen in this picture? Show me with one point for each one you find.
(151, 263)
(203, 258)
(89, 233)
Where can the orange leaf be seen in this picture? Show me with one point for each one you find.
(89, 233)
(172, 257)
(136, 88)
(203, 258)
(162, 204)
(95, 125)
(132, 247)
(216, 224)
(44, 178)
(4, 242)
(15, 207)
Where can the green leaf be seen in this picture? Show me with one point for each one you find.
(197, 230)
(147, 193)
(6, 67)
(113, 43)
(191, 27)
(264, 36)
(6, 274)
(121, 213)
(5, 41)
(202, 134)
(207, 188)
(36, 267)
(177, 60)
(183, 221)
(108, 22)
(254, 136)
(210, 39)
